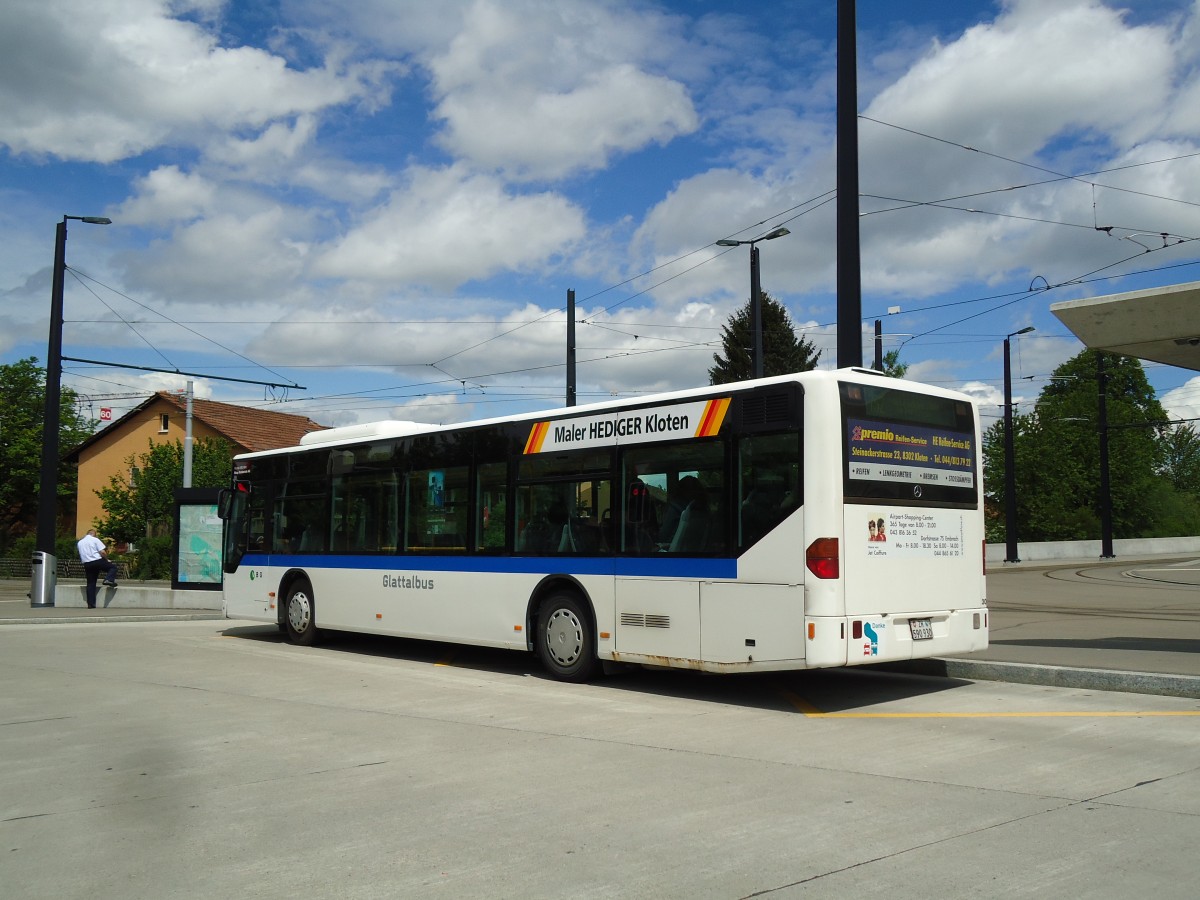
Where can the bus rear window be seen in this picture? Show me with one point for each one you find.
(908, 447)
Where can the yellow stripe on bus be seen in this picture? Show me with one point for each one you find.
(537, 437)
(714, 416)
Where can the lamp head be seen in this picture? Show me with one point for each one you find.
(726, 242)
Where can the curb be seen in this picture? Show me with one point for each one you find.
(1054, 676)
(96, 620)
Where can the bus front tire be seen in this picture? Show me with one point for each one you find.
(299, 618)
(566, 643)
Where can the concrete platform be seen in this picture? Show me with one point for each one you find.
(131, 601)
(136, 595)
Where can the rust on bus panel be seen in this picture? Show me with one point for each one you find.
(676, 662)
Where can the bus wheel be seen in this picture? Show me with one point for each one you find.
(565, 642)
(300, 622)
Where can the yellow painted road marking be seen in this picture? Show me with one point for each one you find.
(811, 712)
(801, 704)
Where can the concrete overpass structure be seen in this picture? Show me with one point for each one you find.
(1160, 324)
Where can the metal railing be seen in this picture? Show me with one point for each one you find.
(67, 568)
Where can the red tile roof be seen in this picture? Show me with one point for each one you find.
(251, 429)
(246, 428)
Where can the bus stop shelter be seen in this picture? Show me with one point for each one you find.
(1159, 324)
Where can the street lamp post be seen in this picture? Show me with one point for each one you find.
(48, 491)
(1106, 527)
(1010, 473)
(756, 363)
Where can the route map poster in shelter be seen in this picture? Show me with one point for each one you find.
(199, 560)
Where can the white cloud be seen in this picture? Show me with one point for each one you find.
(704, 208)
(1007, 90)
(617, 110)
(633, 351)
(1183, 402)
(126, 77)
(541, 90)
(223, 258)
(168, 194)
(988, 396)
(1067, 85)
(446, 227)
(280, 141)
(537, 89)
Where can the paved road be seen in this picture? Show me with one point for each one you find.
(1135, 615)
(210, 759)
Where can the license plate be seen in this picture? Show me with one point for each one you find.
(921, 629)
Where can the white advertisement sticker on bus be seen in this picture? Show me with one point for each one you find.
(634, 426)
(932, 534)
(910, 453)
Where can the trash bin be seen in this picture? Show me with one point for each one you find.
(44, 579)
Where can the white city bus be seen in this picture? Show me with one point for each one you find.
(820, 519)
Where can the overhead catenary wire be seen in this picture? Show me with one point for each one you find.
(1058, 176)
(80, 276)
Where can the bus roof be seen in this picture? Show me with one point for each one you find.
(392, 428)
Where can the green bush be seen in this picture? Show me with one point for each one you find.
(152, 561)
(23, 547)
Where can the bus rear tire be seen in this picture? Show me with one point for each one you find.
(566, 642)
(299, 615)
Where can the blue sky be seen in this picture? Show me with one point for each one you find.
(386, 201)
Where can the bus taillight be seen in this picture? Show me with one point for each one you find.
(821, 557)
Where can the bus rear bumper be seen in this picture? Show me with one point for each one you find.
(859, 640)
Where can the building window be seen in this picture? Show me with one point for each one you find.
(162, 423)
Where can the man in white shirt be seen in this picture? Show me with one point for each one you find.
(95, 560)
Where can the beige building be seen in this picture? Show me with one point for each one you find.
(163, 419)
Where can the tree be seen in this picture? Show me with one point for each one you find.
(22, 408)
(892, 367)
(1181, 458)
(783, 352)
(1057, 446)
(145, 508)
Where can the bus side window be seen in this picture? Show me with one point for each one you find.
(436, 510)
(675, 499)
(540, 519)
(769, 470)
(491, 497)
(256, 513)
(564, 517)
(641, 518)
(365, 512)
(300, 517)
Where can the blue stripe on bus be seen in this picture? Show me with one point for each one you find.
(628, 566)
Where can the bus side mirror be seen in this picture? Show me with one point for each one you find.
(231, 503)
